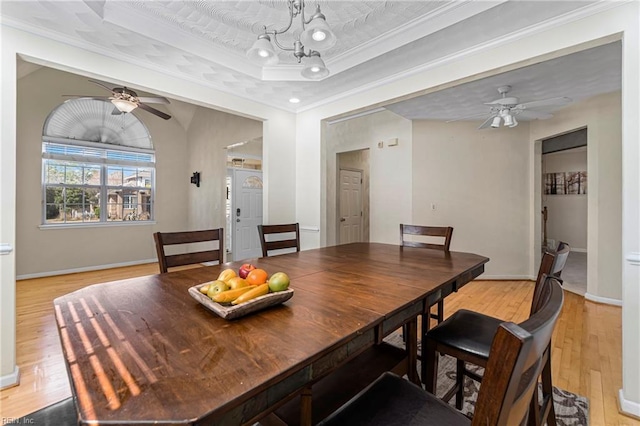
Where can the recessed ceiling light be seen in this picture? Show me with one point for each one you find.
(294, 100)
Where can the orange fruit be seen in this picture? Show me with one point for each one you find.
(257, 277)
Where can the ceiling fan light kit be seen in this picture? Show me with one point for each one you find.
(504, 110)
(124, 105)
(126, 100)
(316, 35)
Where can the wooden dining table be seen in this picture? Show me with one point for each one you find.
(143, 351)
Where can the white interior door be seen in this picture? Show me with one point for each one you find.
(350, 219)
(246, 213)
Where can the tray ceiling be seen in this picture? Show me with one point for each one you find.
(206, 41)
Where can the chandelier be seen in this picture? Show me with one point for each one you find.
(316, 35)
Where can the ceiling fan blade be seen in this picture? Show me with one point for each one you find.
(468, 117)
(99, 83)
(533, 115)
(153, 100)
(154, 111)
(487, 122)
(545, 102)
(99, 98)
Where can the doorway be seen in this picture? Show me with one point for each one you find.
(244, 212)
(565, 203)
(244, 199)
(352, 197)
(350, 219)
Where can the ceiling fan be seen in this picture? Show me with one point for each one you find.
(126, 100)
(506, 108)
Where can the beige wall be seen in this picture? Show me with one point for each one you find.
(178, 205)
(566, 213)
(601, 115)
(389, 168)
(478, 182)
(209, 132)
(62, 249)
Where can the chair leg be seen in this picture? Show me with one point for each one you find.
(459, 383)
(429, 365)
(440, 315)
(305, 407)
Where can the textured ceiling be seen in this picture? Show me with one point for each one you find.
(206, 41)
(578, 76)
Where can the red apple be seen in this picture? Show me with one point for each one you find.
(245, 269)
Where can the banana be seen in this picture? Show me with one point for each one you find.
(231, 295)
(260, 290)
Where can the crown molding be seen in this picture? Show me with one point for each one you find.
(449, 14)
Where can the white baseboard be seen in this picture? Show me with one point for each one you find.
(85, 269)
(628, 407)
(605, 300)
(11, 379)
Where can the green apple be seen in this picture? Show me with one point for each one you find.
(278, 282)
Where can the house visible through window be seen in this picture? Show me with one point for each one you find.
(98, 165)
(88, 182)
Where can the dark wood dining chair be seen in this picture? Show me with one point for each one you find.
(268, 231)
(510, 378)
(62, 413)
(466, 335)
(444, 234)
(163, 239)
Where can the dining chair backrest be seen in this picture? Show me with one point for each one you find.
(445, 232)
(163, 239)
(562, 254)
(546, 266)
(268, 244)
(516, 361)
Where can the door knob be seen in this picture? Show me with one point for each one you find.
(342, 219)
(237, 220)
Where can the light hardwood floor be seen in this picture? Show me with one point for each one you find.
(585, 355)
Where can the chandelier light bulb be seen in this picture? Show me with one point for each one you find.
(314, 67)
(262, 51)
(319, 35)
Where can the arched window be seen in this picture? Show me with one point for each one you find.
(98, 165)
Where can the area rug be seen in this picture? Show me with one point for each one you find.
(571, 409)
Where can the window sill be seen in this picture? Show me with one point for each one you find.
(97, 224)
